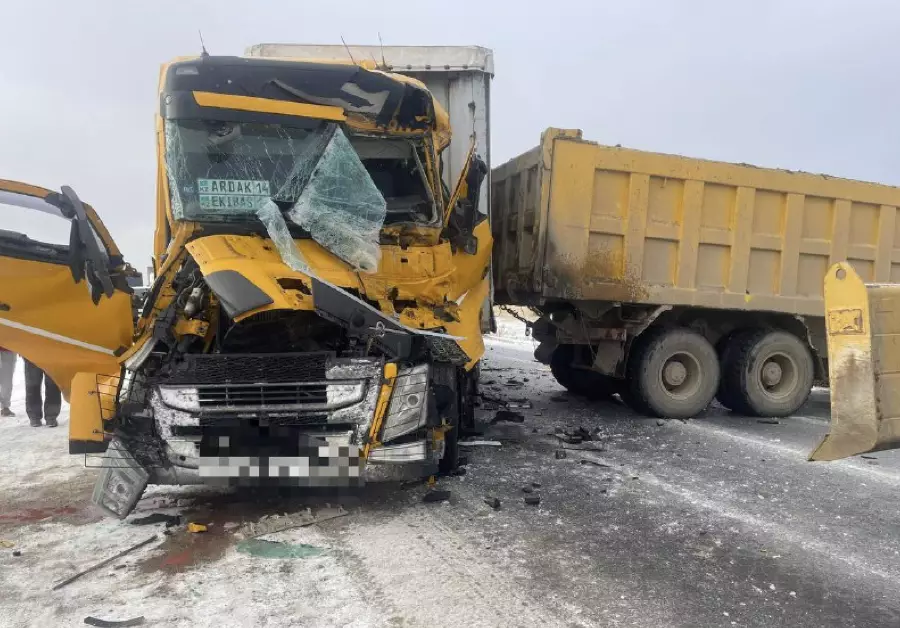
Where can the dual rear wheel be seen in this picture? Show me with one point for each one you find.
(676, 372)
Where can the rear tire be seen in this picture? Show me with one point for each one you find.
(767, 373)
(672, 373)
(579, 381)
(724, 349)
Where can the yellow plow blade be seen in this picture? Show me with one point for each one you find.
(863, 326)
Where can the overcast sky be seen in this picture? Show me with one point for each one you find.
(800, 84)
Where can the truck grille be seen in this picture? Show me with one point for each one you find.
(231, 369)
(261, 396)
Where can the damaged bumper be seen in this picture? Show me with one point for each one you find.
(308, 422)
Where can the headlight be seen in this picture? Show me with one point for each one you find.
(406, 412)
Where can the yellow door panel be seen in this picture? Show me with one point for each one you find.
(51, 321)
(48, 317)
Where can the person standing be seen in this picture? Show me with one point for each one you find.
(7, 370)
(37, 408)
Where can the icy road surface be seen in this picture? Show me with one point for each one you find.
(719, 521)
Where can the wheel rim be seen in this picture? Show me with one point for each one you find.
(680, 375)
(778, 375)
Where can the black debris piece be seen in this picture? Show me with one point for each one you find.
(560, 454)
(865, 457)
(436, 496)
(603, 491)
(769, 421)
(112, 623)
(532, 500)
(559, 398)
(508, 416)
(17, 553)
(527, 489)
(157, 517)
(493, 502)
(536, 484)
(566, 438)
(660, 422)
(458, 471)
(594, 463)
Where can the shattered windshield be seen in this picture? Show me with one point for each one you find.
(226, 171)
(339, 190)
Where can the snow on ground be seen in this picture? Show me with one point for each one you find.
(716, 522)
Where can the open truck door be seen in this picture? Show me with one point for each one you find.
(863, 325)
(65, 304)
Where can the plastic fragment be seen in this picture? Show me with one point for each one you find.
(196, 528)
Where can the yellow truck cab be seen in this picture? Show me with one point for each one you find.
(318, 296)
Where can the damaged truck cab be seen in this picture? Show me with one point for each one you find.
(318, 291)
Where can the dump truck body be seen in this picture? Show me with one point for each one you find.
(628, 241)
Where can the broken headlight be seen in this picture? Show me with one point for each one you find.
(406, 412)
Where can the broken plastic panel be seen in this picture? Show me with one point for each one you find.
(341, 207)
(277, 228)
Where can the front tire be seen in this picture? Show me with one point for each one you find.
(579, 381)
(672, 373)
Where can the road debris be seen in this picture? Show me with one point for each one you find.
(507, 416)
(480, 443)
(103, 563)
(196, 528)
(532, 500)
(660, 422)
(458, 471)
(279, 523)
(769, 421)
(17, 553)
(157, 517)
(520, 405)
(527, 489)
(560, 398)
(595, 463)
(493, 502)
(436, 496)
(868, 457)
(261, 548)
(560, 454)
(6, 544)
(112, 623)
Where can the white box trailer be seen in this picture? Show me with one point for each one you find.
(458, 76)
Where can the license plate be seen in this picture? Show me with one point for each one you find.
(232, 194)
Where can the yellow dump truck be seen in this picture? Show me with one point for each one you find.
(319, 288)
(673, 280)
(863, 327)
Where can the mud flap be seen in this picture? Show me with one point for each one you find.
(121, 483)
(863, 328)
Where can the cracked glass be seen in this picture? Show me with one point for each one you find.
(221, 171)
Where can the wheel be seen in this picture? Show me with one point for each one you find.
(446, 390)
(724, 349)
(673, 373)
(768, 373)
(579, 381)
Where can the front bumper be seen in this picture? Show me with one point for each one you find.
(311, 431)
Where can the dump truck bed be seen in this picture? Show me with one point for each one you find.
(575, 220)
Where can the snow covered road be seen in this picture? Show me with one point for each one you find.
(719, 521)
